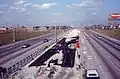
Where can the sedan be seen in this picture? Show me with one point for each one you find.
(26, 45)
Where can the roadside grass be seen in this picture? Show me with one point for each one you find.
(27, 35)
(111, 33)
(6, 38)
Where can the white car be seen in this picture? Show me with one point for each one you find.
(99, 37)
(91, 74)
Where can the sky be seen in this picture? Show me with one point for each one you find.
(58, 12)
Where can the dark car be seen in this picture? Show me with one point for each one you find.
(45, 40)
(26, 45)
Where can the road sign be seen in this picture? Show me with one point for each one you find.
(114, 16)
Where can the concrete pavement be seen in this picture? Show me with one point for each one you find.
(98, 62)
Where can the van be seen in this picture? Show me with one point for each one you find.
(91, 74)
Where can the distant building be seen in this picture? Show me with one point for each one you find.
(3, 29)
(30, 28)
(43, 28)
(39, 28)
(24, 29)
(21, 29)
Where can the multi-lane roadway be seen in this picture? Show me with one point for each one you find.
(108, 50)
(96, 52)
(6, 50)
(15, 50)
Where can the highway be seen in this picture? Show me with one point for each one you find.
(50, 55)
(14, 54)
(108, 50)
(96, 52)
(18, 46)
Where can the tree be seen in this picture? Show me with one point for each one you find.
(23, 26)
(47, 27)
(53, 27)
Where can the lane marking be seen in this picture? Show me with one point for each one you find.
(90, 57)
(84, 52)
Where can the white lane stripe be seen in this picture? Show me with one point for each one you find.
(84, 52)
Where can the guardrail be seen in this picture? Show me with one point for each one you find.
(20, 61)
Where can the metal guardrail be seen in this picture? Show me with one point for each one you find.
(19, 63)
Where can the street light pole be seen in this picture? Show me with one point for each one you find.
(13, 34)
(56, 34)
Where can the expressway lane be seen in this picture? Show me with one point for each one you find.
(17, 47)
(117, 42)
(16, 54)
(110, 48)
(36, 42)
(111, 43)
(43, 59)
(108, 54)
(90, 59)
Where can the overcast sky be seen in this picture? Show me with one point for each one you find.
(75, 12)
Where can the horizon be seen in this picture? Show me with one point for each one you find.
(52, 12)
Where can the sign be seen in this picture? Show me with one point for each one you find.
(115, 16)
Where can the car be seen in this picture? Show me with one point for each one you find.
(99, 37)
(83, 48)
(26, 45)
(77, 37)
(71, 46)
(87, 38)
(45, 40)
(91, 74)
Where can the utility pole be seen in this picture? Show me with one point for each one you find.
(56, 34)
(13, 34)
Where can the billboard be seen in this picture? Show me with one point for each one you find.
(115, 16)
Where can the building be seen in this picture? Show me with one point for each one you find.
(21, 29)
(39, 28)
(3, 29)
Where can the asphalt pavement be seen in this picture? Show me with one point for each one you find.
(107, 57)
(18, 46)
